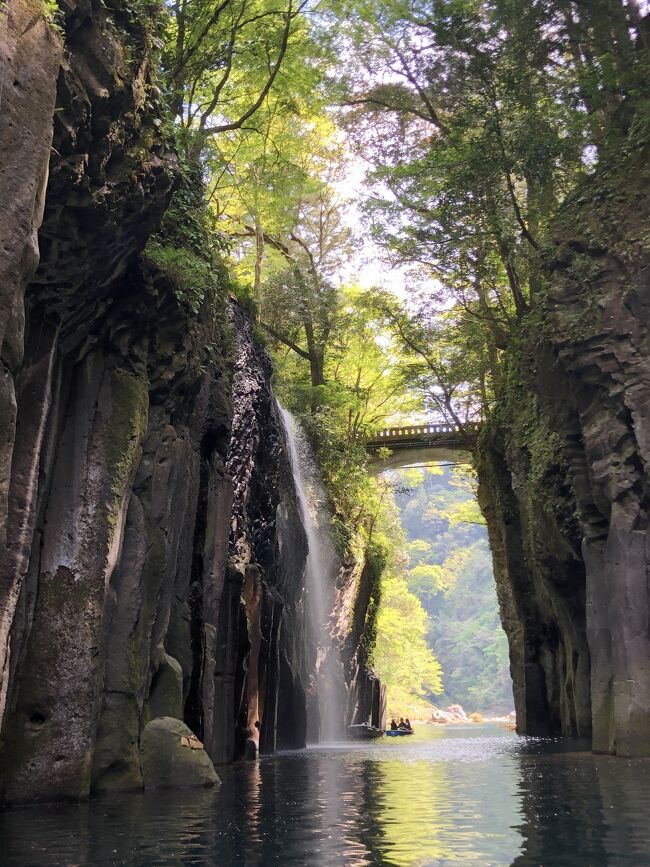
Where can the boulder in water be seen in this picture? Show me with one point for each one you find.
(172, 755)
(457, 713)
(439, 716)
(251, 749)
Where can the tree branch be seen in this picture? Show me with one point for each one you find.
(286, 341)
(236, 124)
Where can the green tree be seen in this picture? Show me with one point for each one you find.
(402, 658)
(301, 302)
(265, 176)
(450, 572)
(445, 358)
(222, 58)
(476, 119)
(366, 369)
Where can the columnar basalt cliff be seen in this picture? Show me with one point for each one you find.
(153, 555)
(30, 59)
(563, 466)
(266, 566)
(526, 498)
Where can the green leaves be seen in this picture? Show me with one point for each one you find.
(476, 119)
(450, 572)
(224, 58)
(193, 278)
(401, 657)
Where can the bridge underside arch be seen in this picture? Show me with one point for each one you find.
(421, 444)
(401, 458)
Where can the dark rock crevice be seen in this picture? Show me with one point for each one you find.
(357, 606)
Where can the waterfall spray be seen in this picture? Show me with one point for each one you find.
(320, 573)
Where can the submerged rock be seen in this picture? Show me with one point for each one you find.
(172, 755)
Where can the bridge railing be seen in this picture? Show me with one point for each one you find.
(424, 430)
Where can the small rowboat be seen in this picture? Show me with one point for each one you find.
(398, 733)
(364, 732)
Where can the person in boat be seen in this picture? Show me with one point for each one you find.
(393, 725)
(402, 724)
(407, 723)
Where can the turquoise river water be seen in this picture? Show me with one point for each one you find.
(463, 795)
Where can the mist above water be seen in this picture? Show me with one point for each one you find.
(320, 576)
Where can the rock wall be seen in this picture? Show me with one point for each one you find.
(29, 57)
(263, 662)
(527, 502)
(154, 558)
(564, 467)
(357, 605)
(152, 555)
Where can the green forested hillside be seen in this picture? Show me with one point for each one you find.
(450, 572)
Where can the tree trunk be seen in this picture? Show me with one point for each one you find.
(259, 259)
(316, 365)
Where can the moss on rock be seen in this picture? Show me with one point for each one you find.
(172, 756)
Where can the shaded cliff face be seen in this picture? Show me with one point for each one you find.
(564, 475)
(30, 62)
(354, 629)
(154, 560)
(265, 575)
(97, 155)
(526, 498)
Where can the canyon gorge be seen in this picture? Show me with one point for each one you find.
(152, 547)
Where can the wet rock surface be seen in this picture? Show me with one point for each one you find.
(356, 609)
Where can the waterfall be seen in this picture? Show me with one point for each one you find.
(320, 574)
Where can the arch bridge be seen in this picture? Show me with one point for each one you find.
(422, 443)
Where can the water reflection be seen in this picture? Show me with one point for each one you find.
(581, 809)
(451, 799)
(461, 796)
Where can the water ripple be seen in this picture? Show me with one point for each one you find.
(447, 796)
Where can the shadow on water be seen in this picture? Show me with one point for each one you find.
(448, 796)
(580, 809)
